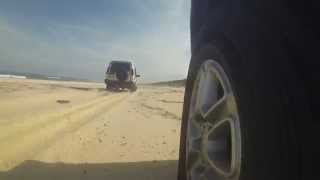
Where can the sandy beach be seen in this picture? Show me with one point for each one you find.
(74, 130)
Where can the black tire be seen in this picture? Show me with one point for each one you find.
(109, 87)
(270, 103)
(133, 88)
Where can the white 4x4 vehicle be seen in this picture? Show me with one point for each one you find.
(121, 74)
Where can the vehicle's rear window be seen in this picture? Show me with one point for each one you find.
(119, 67)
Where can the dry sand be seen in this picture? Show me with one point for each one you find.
(69, 130)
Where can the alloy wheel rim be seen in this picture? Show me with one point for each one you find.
(213, 141)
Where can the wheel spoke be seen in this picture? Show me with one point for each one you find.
(219, 147)
(194, 139)
(193, 159)
(197, 171)
(195, 145)
(196, 114)
(209, 91)
(218, 111)
(195, 126)
(211, 174)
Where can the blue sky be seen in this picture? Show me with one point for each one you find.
(77, 38)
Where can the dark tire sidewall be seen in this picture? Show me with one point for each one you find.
(263, 120)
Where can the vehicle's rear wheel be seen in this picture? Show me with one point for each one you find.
(109, 87)
(237, 123)
(133, 88)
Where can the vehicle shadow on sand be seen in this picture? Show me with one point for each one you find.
(112, 90)
(149, 170)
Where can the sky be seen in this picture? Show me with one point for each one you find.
(77, 38)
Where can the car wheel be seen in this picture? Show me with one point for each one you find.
(237, 123)
(109, 87)
(133, 88)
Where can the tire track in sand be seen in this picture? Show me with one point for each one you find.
(20, 143)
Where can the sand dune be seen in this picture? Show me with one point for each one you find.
(72, 130)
